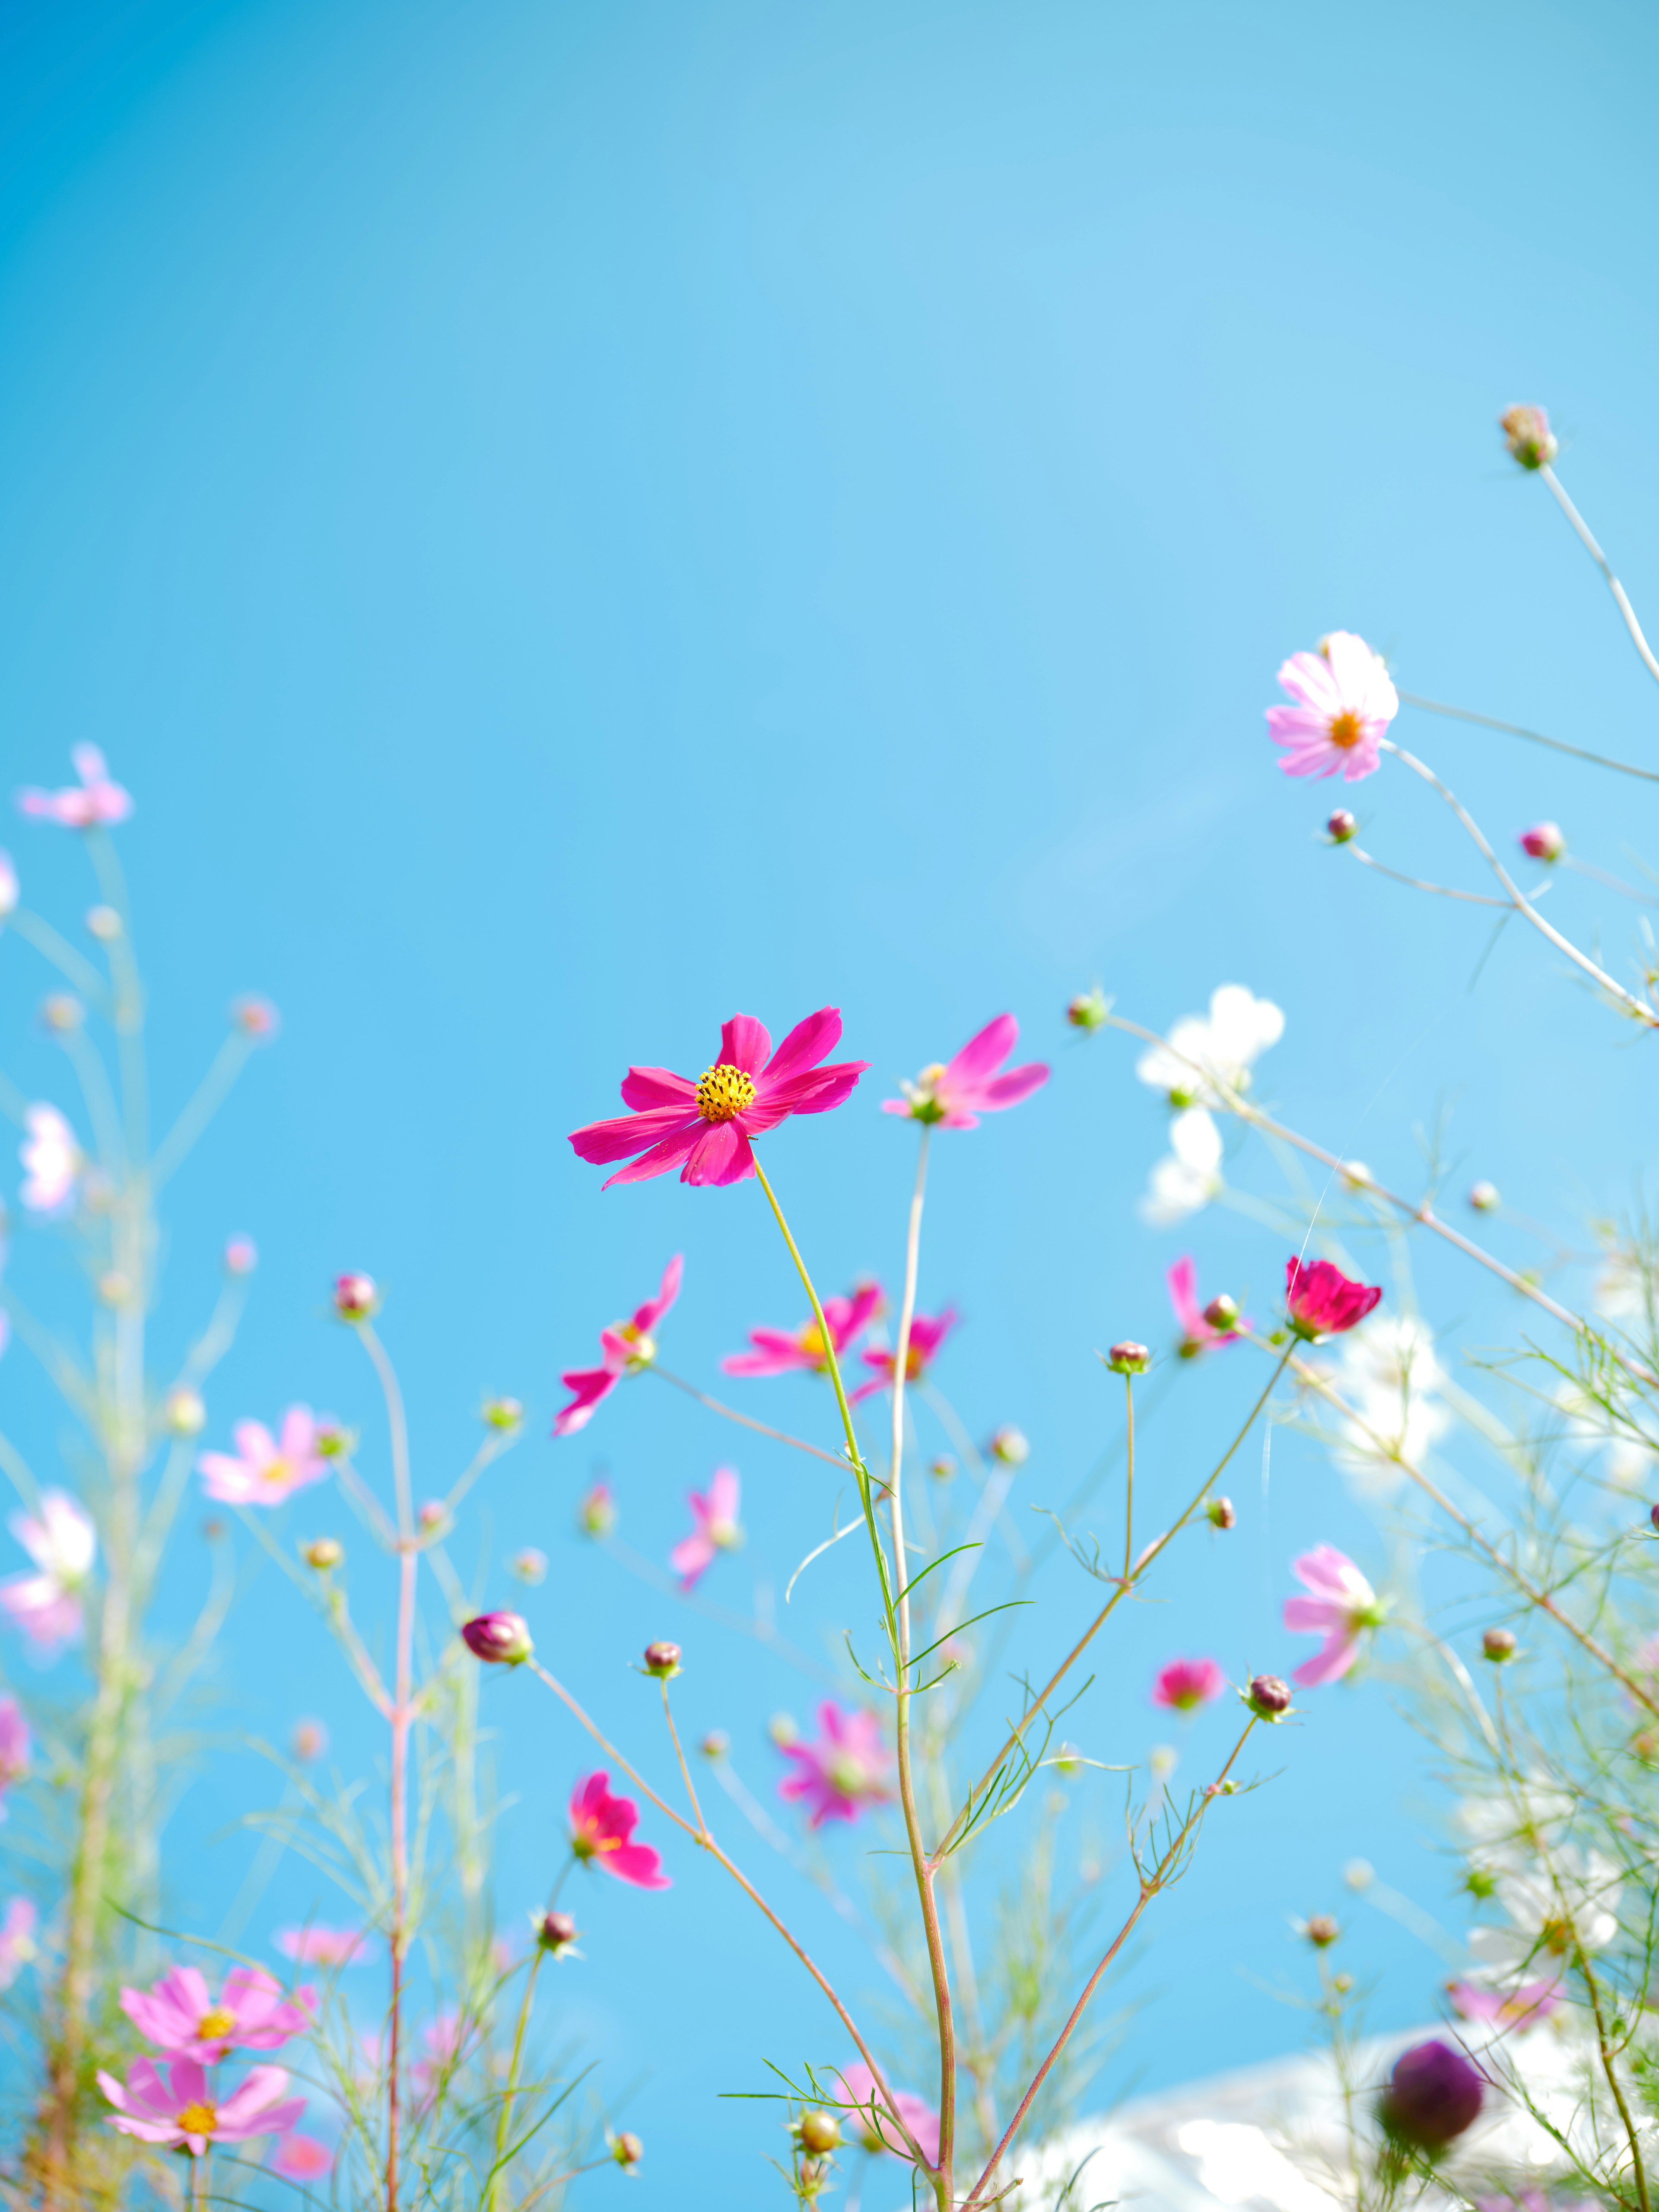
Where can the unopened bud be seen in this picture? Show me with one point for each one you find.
(1342, 1984)
(63, 1012)
(355, 1297)
(715, 1744)
(529, 1565)
(1654, 1516)
(1528, 435)
(554, 1931)
(1222, 1313)
(784, 1730)
(1268, 1698)
(1359, 1875)
(323, 1553)
(627, 2149)
(1227, 1788)
(1089, 1010)
(310, 1739)
(597, 1513)
(115, 1288)
(1434, 2095)
(255, 1017)
(241, 1255)
(433, 1514)
(1341, 826)
(1009, 1447)
(104, 923)
(943, 1467)
(186, 1415)
(1068, 1761)
(1320, 1931)
(1498, 1644)
(500, 1638)
(1543, 842)
(662, 1659)
(1128, 1358)
(333, 1439)
(1222, 1513)
(819, 2133)
(1483, 1197)
(502, 1412)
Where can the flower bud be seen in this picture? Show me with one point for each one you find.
(310, 1739)
(355, 1297)
(1434, 2094)
(1268, 1698)
(943, 1467)
(1498, 1644)
(1320, 1931)
(1528, 435)
(554, 1931)
(627, 2149)
(1010, 1447)
(502, 1412)
(1221, 1513)
(1654, 1516)
(186, 1416)
(1483, 1197)
(10, 890)
(820, 2132)
(1089, 1010)
(529, 1565)
(433, 1514)
(333, 1439)
(104, 923)
(241, 1255)
(500, 1638)
(1222, 1313)
(255, 1017)
(63, 1012)
(1342, 826)
(1543, 842)
(1128, 1358)
(662, 1659)
(1227, 1788)
(715, 1744)
(784, 1730)
(1359, 1875)
(323, 1553)
(597, 1513)
(115, 1288)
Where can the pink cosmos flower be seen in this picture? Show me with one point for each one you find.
(14, 1747)
(717, 1530)
(1197, 1334)
(928, 1332)
(325, 1947)
(52, 1161)
(875, 2127)
(179, 2016)
(63, 1544)
(601, 1828)
(177, 2108)
(303, 2158)
(704, 1128)
(846, 1769)
(777, 1353)
(1521, 2008)
(1345, 704)
(444, 2039)
(17, 1945)
(1322, 1301)
(628, 1347)
(949, 1091)
(1186, 1684)
(96, 800)
(1343, 1606)
(261, 1471)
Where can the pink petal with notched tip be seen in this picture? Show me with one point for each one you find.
(667, 1152)
(982, 1054)
(805, 1045)
(645, 1087)
(806, 1094)
(746, 1043)
(600, 1142)
(720, 1156)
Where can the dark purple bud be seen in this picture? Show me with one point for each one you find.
(355, 1297)
(1654, 1516)
(1222, 1313)
(502, 1639)
(1268, 1698)
(556, 1932)
(1433, 2095)
(662, 1659)
(1341, 826)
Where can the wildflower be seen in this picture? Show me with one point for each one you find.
(1186, 1684)
(334, 1439)
(1189, 1175)
(1343, 1606)
(704, 1128)
(777, 1351)
(1199, 1329)
(1434, 2095)
(499, 1638)
(185, 1413)
(1485, 1197)
(1345, 704)
(1268, 1697)
(17, 1943)
(528, 1566)
(263, 1471)
(445, 2040)
(628, 1348)
(597, 1513)
(356, 1298)
(601, 1830)
(1205, 1056)
(309, 1740)
(554, 1931)
(662, 1661)
(303, 2158)
(949, 1091)
(716, 1517)
(52, 1161)
(843, 1770)
(1519, 2007)
(14, 1747)
(1543, 842)
(316, 1945)
(1322, 1301)
(177, 2109)
(323, 1553)
(1320, 1931)
(877, 2131)
(63, 1544)
(927, 1334)
(241, 1255)
(1497, 1645)
(1128, 1358)
(1389, 1374)
(97, 801)
(1221, 1513)
(1009, 1447)
(819, 2133)
(1089, 1010)
(1557, 1913)
(1528, 435)
(10, 890)
(179, 2017)
(1341, 827)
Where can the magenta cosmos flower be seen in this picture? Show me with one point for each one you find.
(94, 800)
(63, 1543)
(628, 1348)
(325, 1947)
(1345, 704)
(776, 1351)
(177, 2108)
(1321, 1301)
(1186, 1684)
(875, 2129)
(846, 1770)
(1197, 1334)
(263, 1471)
(177, 2014)
(928, 1332)
(704, 1128)
(716, 1517)
(303, 2158)
(955, 1092)
(1342, 1607)
(601, 1830)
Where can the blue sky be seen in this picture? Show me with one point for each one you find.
(573, 521)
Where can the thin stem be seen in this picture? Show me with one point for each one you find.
(397, 1424)
(1620, 598)
(1129, 1482)
(1422, 884)
(1535, 736)
(685, 1772)
(746, 1420)
(504, 2117)
(69, 963)
(231, 1057)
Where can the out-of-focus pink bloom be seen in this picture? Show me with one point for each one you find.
(1342, 1607)
(63, 1544)
(1543, 842)
(1345, 704)
(10, 890)
(252, 2013)
(52, 1161)
(94, 800)
(873, 2124)
(776, 1351)
(928, 1332)
(444, 2040)
(704, 1128)
(178, 2107)
(1186, 1684)
(597, 1513)
(628, 1348)
(844, 1770)
(241, 1255)
(17, 1945)
(601, 1830)
(317, 1946)
(14, 1747)
(309, 1740)
(955, 1092)
(717, 1530)
(255, 1017)
(1322, 1301)
(303, 2158)
(1520, 2008)
(1196, 1334)
(261, 1471)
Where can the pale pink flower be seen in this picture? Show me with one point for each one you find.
(601, 1832)
(14, 1747)
(303, 2158)
(178, 2109)
(928, 1332)
(846, 1769)
(1345, 704)
(1186, 1684)
(52, 1161)
(1519, 2007)
(1343, 1606)
(10, 890)
(63, 1544)
(95, 799)
(628, 1348)
(704, 1128)
(777, 1351)
(251, 2013)
(955, 1092)
(444, 2040)
(1197, 1334)
(872, 2122)
(261, 1471)
(317, 1946)
(717, 1530)
(17, 1944)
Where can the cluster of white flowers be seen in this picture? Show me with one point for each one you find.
(1387, 1372)
(1204, 1060)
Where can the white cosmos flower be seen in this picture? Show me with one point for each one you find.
(1206, 1054)
(52, 1158)
(1553, 1909)
(1189, 1175)
(1389, 1373)
(1499, 1822)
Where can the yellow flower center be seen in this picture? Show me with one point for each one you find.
(811, 1341)
(1556, 1937)
(725, 1534)
(199, 2119)
(276, 1470)
(723, 1092)
(214, 2023)
(1346, 731)
(643, 1348)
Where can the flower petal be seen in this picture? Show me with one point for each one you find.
(720, 1155)
(746, 1043)
(804, 1045)
(666, 1153)
(601, 1142)
(983, 1053)
(645, 1087)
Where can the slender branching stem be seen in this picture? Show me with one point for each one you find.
(1534, 736)
(1620, 597)
(1129, 1477)
(1422, 882)
(746, 1420)
(685, 1772)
